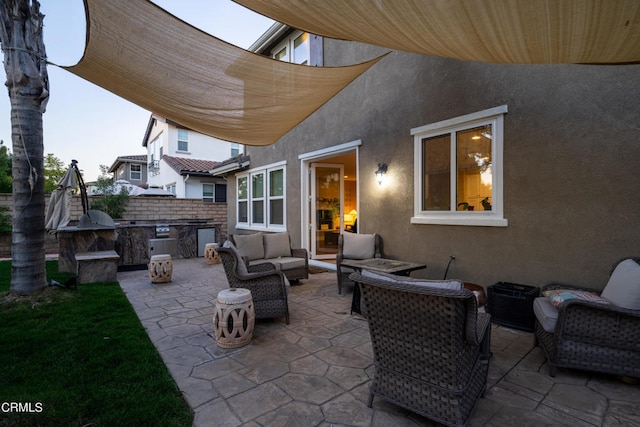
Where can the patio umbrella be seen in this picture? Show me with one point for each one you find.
(59, 209)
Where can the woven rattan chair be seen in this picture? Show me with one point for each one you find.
(344, 272)
(431, 347)
(591, 336)
(293, 274)
(269, 287)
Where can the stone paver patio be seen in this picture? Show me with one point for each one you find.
(315, 371)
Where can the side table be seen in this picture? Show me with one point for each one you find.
(234, 318)
(211, 254)
(160, 268)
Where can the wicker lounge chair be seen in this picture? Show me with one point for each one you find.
(355, 246)
(269, 287)
(276, 249)
(430, 345)
(590, 335)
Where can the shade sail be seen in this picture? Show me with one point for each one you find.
(142, 53)
(498, 31)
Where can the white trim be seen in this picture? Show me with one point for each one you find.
(275, 31)
(329, 151)
(443, 125)
(244, 226)
(305, 164)
(480, 221)
(493, 218)
(269, 166)
(265, 171)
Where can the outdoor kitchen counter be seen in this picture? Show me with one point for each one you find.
(129, 240)
(133, 239)
(73, 240)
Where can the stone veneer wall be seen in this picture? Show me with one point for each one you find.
(144, 209)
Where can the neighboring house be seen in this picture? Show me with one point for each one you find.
(286, 44)
(130, 168)
(179, 160)
(191, 179)
(91, 187)
(546, 156)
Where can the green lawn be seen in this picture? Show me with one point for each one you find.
(81, 358)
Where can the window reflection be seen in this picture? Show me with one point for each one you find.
(474, 169)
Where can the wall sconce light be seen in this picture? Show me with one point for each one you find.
(380, 173)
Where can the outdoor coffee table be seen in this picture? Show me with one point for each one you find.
(382, 265)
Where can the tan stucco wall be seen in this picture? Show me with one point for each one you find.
(571, 159)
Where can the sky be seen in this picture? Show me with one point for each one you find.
(89, 124)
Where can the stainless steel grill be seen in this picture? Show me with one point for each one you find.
(162, 231)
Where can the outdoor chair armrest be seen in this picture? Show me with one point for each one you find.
(587, 321)
(262, 267)
(477, 324)
(258, 274)
(484, 334)
(571, 305)
(299, 253)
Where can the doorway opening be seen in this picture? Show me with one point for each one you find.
(331, 201)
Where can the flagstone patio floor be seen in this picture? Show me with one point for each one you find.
(316, 370)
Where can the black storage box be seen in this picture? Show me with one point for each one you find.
(511, 305)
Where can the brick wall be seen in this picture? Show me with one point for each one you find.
(143, 209)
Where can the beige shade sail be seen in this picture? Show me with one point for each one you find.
(497, 31)
(142, 53)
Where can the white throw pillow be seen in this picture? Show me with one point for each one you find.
(358, 246)
(623, 288)
(250, 245)
(276, 245)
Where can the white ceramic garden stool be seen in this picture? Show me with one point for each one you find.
(211, 254)
(234, 318)
(160, 268)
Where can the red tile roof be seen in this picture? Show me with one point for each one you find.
(189, 166)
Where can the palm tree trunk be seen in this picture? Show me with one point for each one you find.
(28, 84)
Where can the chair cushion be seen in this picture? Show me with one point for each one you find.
(358, 246)
(276, 245)
(623, 288)
(546, 313)
(250, 245)
(557, 296)
(283, 263)
(242, 268)
(453, 285)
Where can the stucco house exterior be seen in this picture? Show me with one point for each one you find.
(525, 173)
(132, 168)
(179, 160)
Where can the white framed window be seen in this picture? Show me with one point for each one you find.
(207, 193)
(301, 49)
(458, 170)
(135, 172)
(220, 193)
(275, 197)
(235, 149)
(183, 140)
(171, 188)
(294, 49)
(261, 198)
